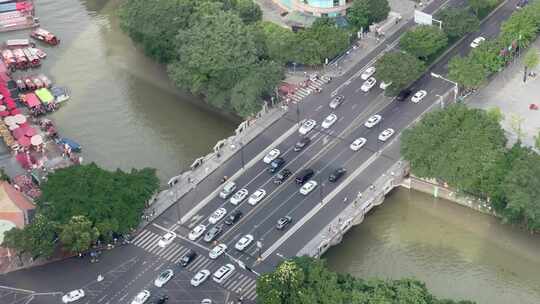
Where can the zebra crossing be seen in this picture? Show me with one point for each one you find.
(237, 282)
(313, 85)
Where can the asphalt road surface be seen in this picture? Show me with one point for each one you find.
(131, 268)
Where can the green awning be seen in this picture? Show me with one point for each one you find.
(45, 96)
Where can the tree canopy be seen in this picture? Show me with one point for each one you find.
(304, 280)
(363, 13)
(458, 145)
(466, 72)
(80, 204)
(457, 22)
(423, 41)
(399, 68)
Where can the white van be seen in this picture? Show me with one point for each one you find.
(223, 273)
(227, 190)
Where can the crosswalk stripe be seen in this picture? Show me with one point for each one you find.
(240, 284)
(182, 252)
(234, 277)
(149, 237)
(196, 263)
(140, 236)
(178, 255)
(252, 292)
(158, 250)
(171, 249)
(250, 286)
(173, 252)
(204, 265)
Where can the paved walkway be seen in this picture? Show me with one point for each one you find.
(512, 96)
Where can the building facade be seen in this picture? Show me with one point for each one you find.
(319, 8)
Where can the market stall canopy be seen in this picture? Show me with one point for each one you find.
(13, 127)
(32, 100)
(16, 111)
(45, 95)
(18, 133)
(20, 118)
(4, 113)
(36, 140)
(24, 141)
(10, 120)
(29, 131)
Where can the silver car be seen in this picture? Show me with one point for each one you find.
(163, 278)
(368, 84)
(336, 102)
(200, 277)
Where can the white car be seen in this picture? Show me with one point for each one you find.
(73, 296)
(368, 73)
(256, 197)
(217, 251)
(358, 143)
(141, 297)
(223, 273)
(206, 301)
(386, 134)
(307, 126)
(244, 242)
(239, 196)
(418, 96)
(329, 121)
(477, 41)
(166, 239)
(217, 215)
(273, 154)
(200, 277)
(385, 85)
(368, 84)
(308, 187)
(373, 121)
(163, 278)
(197, 232)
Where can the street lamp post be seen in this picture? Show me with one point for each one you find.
(456, 85)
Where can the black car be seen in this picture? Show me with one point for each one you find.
(213, 233)
(188, 258)
(304, 176)
(301, 144)
(403, 95)
(283, 222)
(276, 164)
(233, 218)
(162, 300)
(282, 176)
(336, 175)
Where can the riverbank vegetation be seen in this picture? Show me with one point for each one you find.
(304, 280)
(466, 148)
(222, 50)
(491, 56)
(81, 204)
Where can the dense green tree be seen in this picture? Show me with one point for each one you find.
(305, 280)
(487, 55)
(278, 41)
(457, 22)
(495, 113)
(249, 11)
(459, 145)
(214, 54)
(466, 72)
(363, 13)
(40, 237)
(480, 7)
(537, 141)
(103, 197)
(322, 40)
(17, 239)
(78, 234)
(261, 81)
(521, 27)
(399, 68)
(522, 189)
(154, 24)
(423, 41)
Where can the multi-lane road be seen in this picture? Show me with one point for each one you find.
(132, 268)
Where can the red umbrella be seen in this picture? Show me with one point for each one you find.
(4, 113)
(24, 125)
(29, 131)
(24, 141)
(15, 111)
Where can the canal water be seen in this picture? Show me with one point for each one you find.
(124, 111)
(458, 252)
